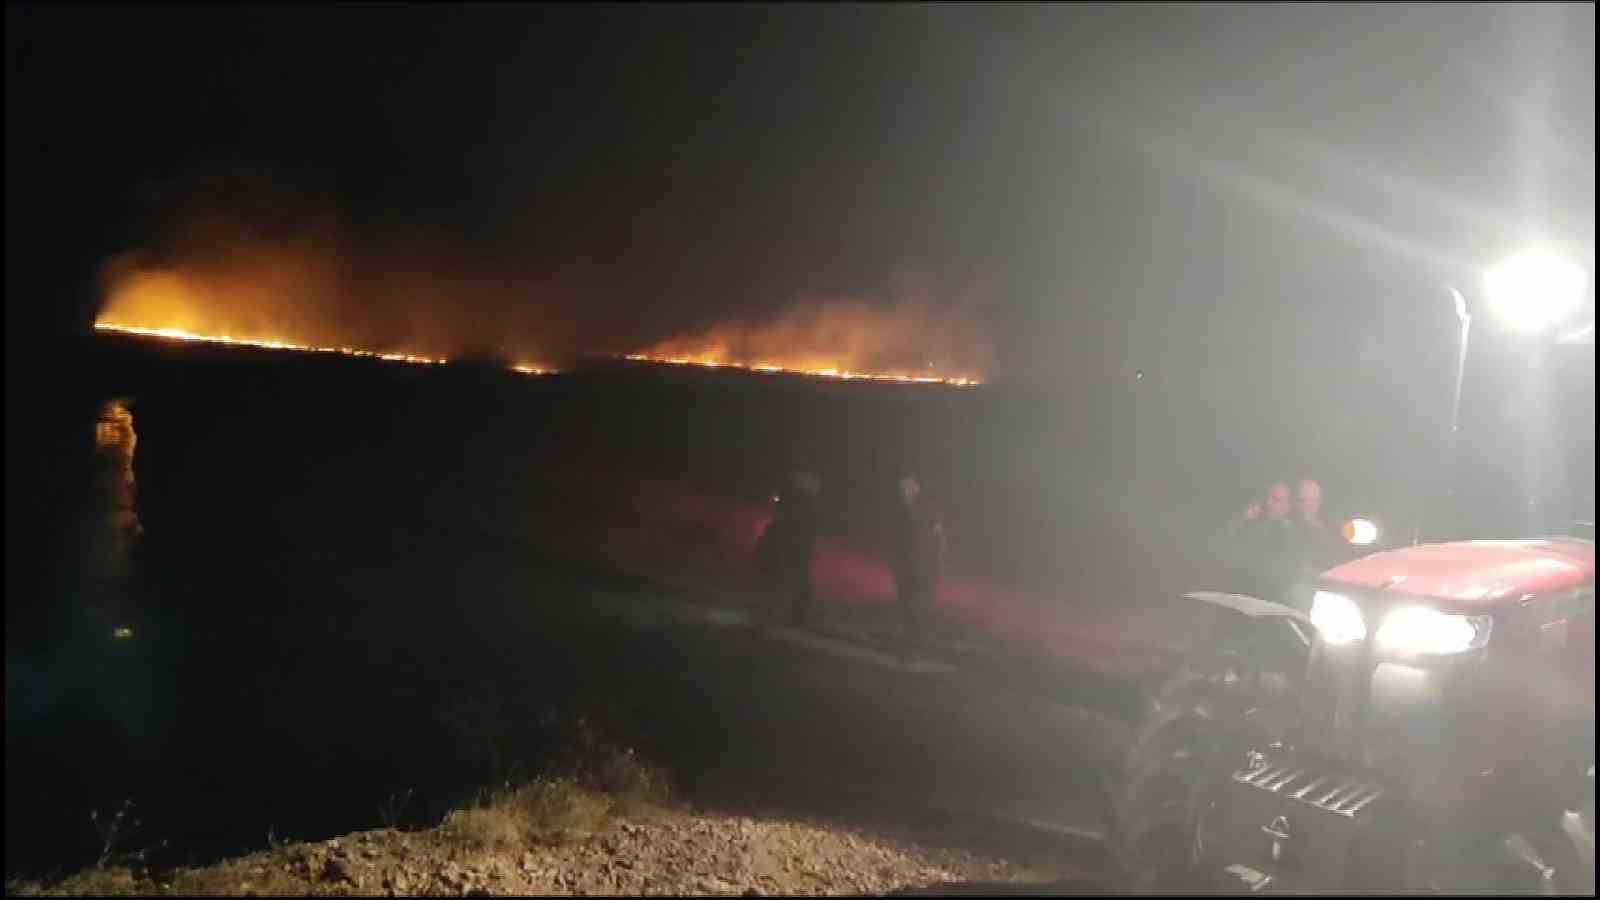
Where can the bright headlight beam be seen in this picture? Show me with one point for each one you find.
(1418, 629)
(1337, 618)
(1535, 289)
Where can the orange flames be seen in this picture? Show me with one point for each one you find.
(847, 341)
(912, 340)
(226, 285)
(820, 372)
(236, 260)
(178, 334)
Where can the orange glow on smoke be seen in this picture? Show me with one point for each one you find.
(245, 309)
(820, 370)
(917, 337)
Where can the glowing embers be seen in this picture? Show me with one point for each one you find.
(841, 374)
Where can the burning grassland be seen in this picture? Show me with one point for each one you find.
(909, 342)
(234, 260)
(237, 259)
(711, 361)
(178, 334)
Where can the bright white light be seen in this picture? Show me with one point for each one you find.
(1337, 618)
(1361, 532)
(1417, 629)
(122, 632)
(1535, 289)
(1583, 334)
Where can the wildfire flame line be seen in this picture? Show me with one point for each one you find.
(842, 374)
(178, 334)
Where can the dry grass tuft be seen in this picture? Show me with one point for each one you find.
(546, 811)
(594, 760)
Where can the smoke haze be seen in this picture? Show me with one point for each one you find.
(915, 331)
(237, 255)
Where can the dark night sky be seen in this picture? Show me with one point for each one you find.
(1254, 194)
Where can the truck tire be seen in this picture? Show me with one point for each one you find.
(1153, 790)
(1193, 728)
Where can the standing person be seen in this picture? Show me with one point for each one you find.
(114, 527)
(919, 547)
(1266, 526)
(1270, 546)
(793, 535)
(1277, 506)
(1320, 547)
(1308, 504)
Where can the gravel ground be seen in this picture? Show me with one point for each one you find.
(653, 853)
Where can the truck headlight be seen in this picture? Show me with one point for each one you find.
(1360, 532)
(1418, 629)
(1337, 618)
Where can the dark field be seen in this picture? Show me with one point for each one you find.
(341, 559)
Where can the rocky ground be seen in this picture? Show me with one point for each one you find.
(655, 852)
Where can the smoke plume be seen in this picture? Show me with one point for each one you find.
(245, 257)
(231, 255)
(915, 332)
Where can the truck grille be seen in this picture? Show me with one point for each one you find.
(1329, 791)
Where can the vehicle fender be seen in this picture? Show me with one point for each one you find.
(1246, 605)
